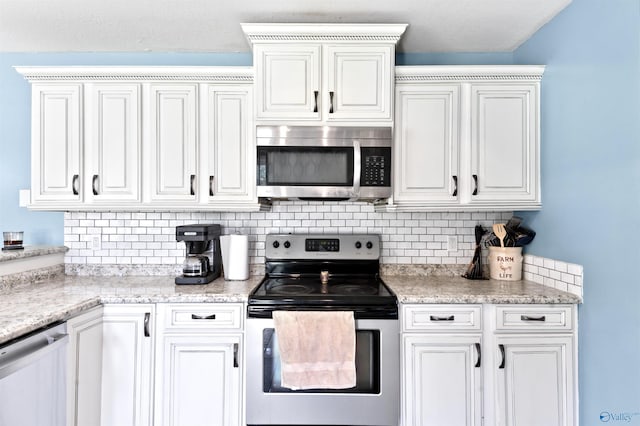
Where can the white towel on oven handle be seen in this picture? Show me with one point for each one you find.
(317, 349)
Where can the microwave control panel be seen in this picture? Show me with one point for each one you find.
(376, 167)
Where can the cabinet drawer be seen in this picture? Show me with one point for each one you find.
(441, 317)
(532, 317)
(201, 316)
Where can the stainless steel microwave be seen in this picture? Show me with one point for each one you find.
(322, 162)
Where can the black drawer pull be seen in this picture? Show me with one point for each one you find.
(435, 318)
(455, 186)
(475, 181)
(503, 356)
(479, 355)
(541, 318)
(203, 317)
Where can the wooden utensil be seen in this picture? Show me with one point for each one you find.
(500, 231)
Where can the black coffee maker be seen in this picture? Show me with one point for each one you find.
(203, 262)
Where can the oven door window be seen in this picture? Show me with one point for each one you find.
(367, 365)
(305, 166)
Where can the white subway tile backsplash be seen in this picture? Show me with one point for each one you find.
(139, 238)
(554, 273)
(134, 238)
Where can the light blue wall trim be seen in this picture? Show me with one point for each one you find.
(591, 189)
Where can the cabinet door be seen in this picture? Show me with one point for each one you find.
(230, 145)
(288, 81)
(359, 83)
(426, 143)
(112, 149)
(198, 380)
(127, 365)
(172, 143)
(535, 381)
(56, 145)
(84, 374)
(504, 143)
(442, 380)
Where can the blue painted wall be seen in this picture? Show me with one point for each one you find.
(15, 128)
(591, 189)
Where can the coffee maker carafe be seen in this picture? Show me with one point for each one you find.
(203, 262)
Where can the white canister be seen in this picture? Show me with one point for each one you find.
(505, 263)
(235, 256)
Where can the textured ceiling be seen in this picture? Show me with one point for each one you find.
(214, 25)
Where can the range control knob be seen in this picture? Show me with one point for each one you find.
(358, 244)
(287, 244)
(276, 244)
(369, 245)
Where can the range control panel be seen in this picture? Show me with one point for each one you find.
(304, 246)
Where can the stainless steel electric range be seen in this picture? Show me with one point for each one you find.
(324, 273)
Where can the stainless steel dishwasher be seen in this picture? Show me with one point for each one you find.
(33, 377)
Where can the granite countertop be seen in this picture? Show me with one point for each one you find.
(29, 307)
(449, 289)
(30, 251)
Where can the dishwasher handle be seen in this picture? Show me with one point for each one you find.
(12, 361)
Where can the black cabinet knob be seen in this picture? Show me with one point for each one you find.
(276, 244)
(358, 244)
(369, 245)
(287, 244)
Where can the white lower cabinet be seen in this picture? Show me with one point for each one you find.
(442, 360)
(84, 374)
(502, 365)
(442, 380)
(110, 366)
(124, 370)
(536, 366)
(535, 381)
(198, 374)
(127, 364)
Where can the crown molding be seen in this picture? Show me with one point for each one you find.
(362, 33)
(421, 73)
(217, 74)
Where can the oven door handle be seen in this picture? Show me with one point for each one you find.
(357, 167)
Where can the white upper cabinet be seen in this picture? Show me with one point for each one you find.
(56, 144)
(467, 138)
(426, 143)
(112, 143)
(172, 142)
(289, 79)
(324, 72)
(359, 82)
(504, 143)
(228, 145)
(108, 138)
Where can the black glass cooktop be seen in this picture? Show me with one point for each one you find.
(358, 293)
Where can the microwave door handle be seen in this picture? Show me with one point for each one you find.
(357, 161)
